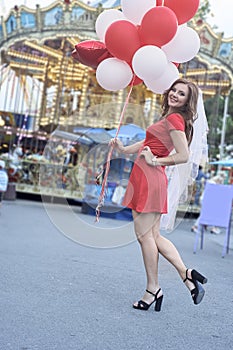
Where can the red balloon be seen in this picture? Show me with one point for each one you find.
(122, 40)
(184, 10)
(135, 80)
(159, 2)
(90, 53)
(158, 26)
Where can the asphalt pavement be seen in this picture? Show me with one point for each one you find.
(68, 283)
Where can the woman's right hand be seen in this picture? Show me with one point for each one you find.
(117, 143)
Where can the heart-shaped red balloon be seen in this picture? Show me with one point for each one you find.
(90, 53)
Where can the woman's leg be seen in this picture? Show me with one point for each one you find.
(143, 225)
(169, 252)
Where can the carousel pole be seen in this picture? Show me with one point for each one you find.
(7, 89)
(153, 109)
(23, 112)
(223, 133)
(37, 105)
(71, 102)
(35, 127)
(27, 112)
(83, 97)
(74, 98)
(16, 101)
(3, 67)
(42, 113)
(64, 71)
(59, 82)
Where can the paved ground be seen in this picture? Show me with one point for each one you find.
(59, 294)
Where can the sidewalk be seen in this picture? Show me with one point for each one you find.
(57, 294)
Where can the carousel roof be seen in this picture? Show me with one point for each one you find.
(40, 77)
(104, 3)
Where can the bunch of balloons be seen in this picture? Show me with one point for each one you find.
(144, 42)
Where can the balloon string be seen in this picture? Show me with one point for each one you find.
(107, 168)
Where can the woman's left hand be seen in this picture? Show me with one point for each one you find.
(147, 154)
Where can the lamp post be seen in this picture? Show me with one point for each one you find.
(225, 114)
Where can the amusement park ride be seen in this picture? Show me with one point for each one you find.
(46, 90)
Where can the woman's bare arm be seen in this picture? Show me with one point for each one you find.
(181, 147)
(127, 149)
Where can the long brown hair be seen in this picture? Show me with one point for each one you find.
(188, 111)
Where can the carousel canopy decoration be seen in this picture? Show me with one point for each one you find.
(74, 21)
(36, 46)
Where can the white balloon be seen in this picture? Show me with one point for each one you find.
(184, 45)
(149, 62)
(105, 19)
(134, 10)
(158, 86)
(113, 74)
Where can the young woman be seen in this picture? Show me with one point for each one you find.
(146, 192)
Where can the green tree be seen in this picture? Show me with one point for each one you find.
(229, 123)
(203, 10)
(214, 108)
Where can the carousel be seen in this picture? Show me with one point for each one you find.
(55, 118)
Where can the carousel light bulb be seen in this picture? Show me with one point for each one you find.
(2, 121)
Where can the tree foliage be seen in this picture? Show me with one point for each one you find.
(214, 108)
(203, 10)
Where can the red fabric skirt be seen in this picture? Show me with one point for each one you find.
(147, 188)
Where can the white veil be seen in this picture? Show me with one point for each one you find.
(182, 175)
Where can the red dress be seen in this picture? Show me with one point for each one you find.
(147, 188)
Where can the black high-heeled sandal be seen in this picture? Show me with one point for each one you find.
(142, 305)
(198, 292)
